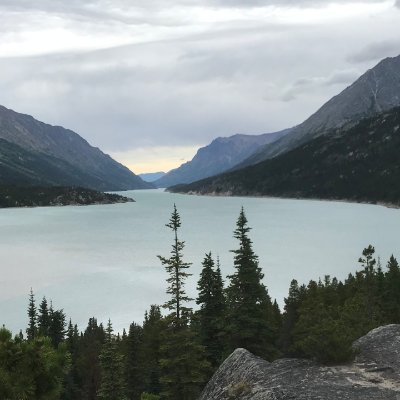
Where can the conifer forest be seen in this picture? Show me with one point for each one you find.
(177, 348)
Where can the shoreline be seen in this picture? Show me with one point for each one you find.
(229, 194)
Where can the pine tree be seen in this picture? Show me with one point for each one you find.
(72, 382)
(211, 315)
(319, 332)
(367, 286)
(153, 328)
(31, 331)
(183, 359)
(249, 304)
(392, 291)
(290, 317)
(176, 269)
(133, 363)
(88, 363)
(31, 369)
(56, 330)
(183, 364)
(43, 318)
(112, 378)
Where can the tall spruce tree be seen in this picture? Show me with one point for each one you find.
(88, 363)
(392, 291)
(112, 378)
(153, 328)
(133, 362)
(211, 315)
(290, 317)
(31, 331)
(57, 326)
(183, 361)
(177, 271)
(250, 307)
(43, 318)
(72, 383)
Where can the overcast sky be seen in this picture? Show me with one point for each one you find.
(149, 81)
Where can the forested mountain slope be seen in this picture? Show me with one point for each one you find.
(33, 152)
(359, 164)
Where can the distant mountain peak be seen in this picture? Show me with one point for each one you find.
(222, 154)
(377, 90)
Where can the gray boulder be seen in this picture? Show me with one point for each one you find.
(374, 374)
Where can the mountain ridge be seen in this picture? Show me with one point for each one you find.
(41, 142)
(377, 90)
(222, 154)
(359, 163)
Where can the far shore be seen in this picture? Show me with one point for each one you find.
(229, 194)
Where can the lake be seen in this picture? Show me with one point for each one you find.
(102, 260)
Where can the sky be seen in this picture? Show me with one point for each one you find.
(151, 81)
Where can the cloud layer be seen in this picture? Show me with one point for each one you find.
(171, 73)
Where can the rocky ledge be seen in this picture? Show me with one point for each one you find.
(374, 374)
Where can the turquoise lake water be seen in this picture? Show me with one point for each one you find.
(102, 260)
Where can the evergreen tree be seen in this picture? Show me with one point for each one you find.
(176, 269)
(250, 306)
(368, 287)
(32, 325)
(392, 291)
(319, 332)
(183, 359)
(112, 378)
(72, 384)
(88, 363)
(56, 330)
(153, 328)
(211, 315)
(43, 318)
(133, 362)
(31, 369)
(183, 364)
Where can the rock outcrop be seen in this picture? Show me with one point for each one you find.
(374, 374)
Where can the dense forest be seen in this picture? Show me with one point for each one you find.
(172, 354)
(42, 196)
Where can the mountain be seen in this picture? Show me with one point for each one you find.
(373, 375)
(35, 153)
(360, 163)
(152, 176)
(375, 91)
(220, 155)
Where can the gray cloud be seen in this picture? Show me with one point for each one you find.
(305, 86)
(280, 3)
(187, 87)
(376, 51)
(398, 3)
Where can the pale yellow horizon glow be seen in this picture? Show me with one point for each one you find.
(155, 159)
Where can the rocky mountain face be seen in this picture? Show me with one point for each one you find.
(33, 152)
(374, 374)
(357, 164)
(376, 91)
(220, 155)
